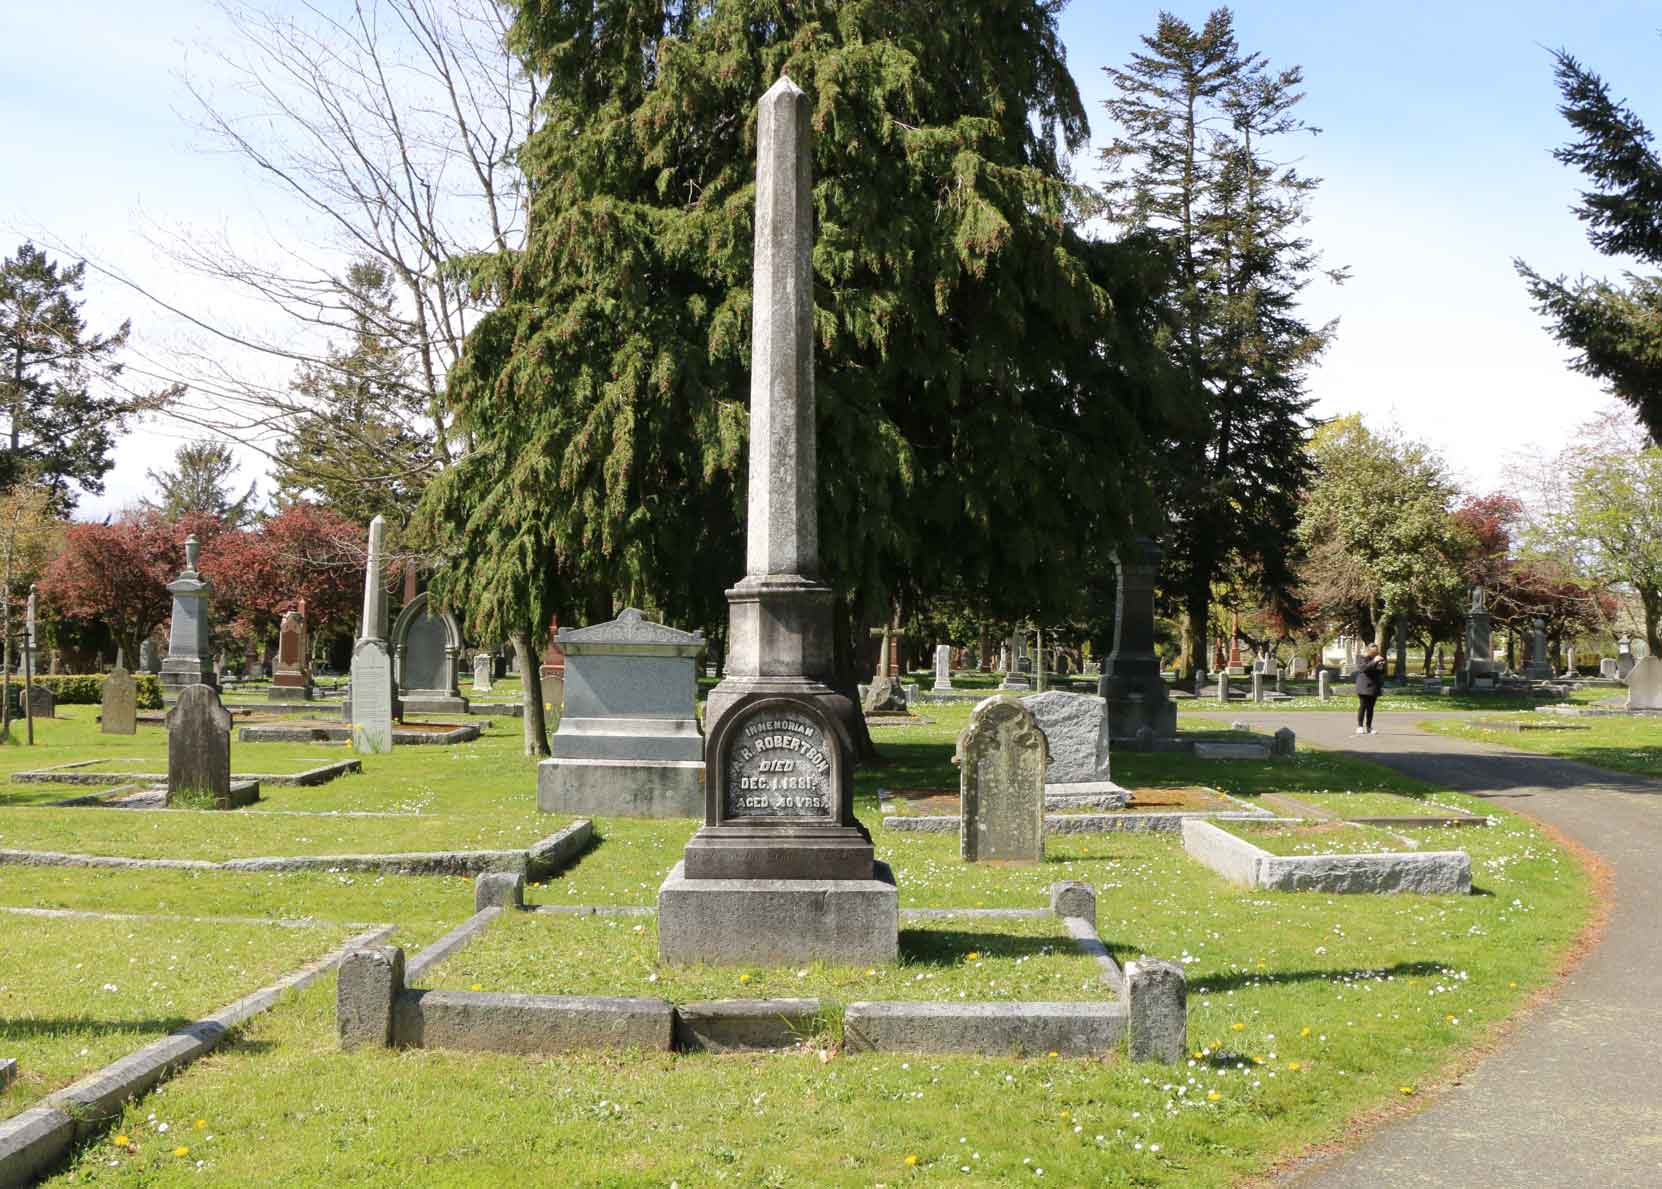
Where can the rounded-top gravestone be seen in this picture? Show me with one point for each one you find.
(1644, 685)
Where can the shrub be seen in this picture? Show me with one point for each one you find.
(87, 689)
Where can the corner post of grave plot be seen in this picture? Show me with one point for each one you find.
(1157, 1002)
(368, 987)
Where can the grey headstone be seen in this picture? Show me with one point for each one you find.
(373, 625)
(189, 654)
(1258, 687)
(1285, 742)
(1644, 685)
(150, 657)
(369, 982)
(1076, 731)
(1223, 685)
(118, 707)
(1324, 686)
(1607, 667)
(372, 697)
(1157, 996)
(482, 673)
(1002, 758)
(1073, 898)
(199, 746)
(42, 702)
(424, 658)
(883, 694)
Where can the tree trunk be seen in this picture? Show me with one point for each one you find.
(1651, 597)
(530, 684)
(1198, 608)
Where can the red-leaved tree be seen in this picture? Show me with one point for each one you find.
(304, 552)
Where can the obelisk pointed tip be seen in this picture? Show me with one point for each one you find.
(783, 87)
(379, 519)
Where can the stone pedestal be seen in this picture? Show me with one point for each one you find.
(189, 656)
(779, 921)
(628, 741)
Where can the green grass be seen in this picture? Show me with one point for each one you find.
(1377, 804)
(77, 994)
(1390, 989)
(1374, 979)
(951, 958)
(1328, 838)
(1619, 744)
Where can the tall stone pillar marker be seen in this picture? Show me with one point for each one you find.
(781, 870)
(374, 699)
(1131, 681)
(189, 657)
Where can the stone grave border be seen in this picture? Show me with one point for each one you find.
(8, 1071)
(1083, 823)
(277, 733)
(69, 774)
(376, 1007)
(36, 1140)
(541, 860)
(1447, 872)
(1292, 806)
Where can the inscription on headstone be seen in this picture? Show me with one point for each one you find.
(779, 765)
(372, 697)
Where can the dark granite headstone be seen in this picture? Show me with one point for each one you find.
(42, 702)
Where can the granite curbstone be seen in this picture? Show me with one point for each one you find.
(33, 1142)
(987, 1029)
(1073, 898)
(740, 1025)
(1085, 936)
(480, 1021)
(1157, 1001)
(551, 855)
(447, 945)
(498, 889)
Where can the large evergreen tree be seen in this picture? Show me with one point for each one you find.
(58, 430)
(985, 374)
(1615, 329)
(1191, 163)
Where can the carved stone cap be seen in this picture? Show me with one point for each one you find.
(630, 632)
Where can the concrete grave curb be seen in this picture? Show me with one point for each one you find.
(1239, 861)
(462, 733)
(34, 1141)
(68, 774)
(541, 860)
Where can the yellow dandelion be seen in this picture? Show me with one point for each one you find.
(181, 1151)
(1065, 1116)
(1304, 1032)
(1406, 1089)
(1514, 986)
(911, 1160)
(121, 1141)
(1237, 1027)
(871, 970)
(744, 978)
(1212, 1096)
(1294, 1066)
(201, 1123)
(1449, 1018)
(477, 987)
(1054, 1053)
(1257, 1060)
(972, 956)
(1199, 1053)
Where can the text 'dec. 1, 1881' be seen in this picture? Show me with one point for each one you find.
(778, 766)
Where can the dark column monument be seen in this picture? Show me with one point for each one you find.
(1131, 681)
(781, 870)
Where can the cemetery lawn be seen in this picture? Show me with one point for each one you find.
(1306, 1011)
(1619, 744)
(949, 958)
(1341, 838)
(1389, 804)
(77, 994)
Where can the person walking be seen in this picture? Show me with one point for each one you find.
(1370, 680)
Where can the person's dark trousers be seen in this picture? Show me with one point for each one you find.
(1364, 710)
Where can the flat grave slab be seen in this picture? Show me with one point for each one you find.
(92, 772)
(407, 734)
(930, 811)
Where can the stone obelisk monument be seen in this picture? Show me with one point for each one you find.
(374, 700)
(781, 870)
(189, 654)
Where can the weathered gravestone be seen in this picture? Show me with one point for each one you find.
(1324, 686)
(943, 666)
(1644, 685)
(291, 677)
(1076, 731)
(1299, 669)
(885, 695)
(628, 741)
(1607, 668)
(482, 673)
(1002, 756)
(118, 705)
(150, 657)
(374, 700)
(1625, 660)
(199, 752)
(782, 870)
(43, 703)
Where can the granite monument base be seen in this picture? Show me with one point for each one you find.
(1127, 716)
(417, 702)
(621, 788)
(1086, 794)
(290, 693)
(779, 921)
(183, 673)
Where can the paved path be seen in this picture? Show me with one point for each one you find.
(1574, 1097)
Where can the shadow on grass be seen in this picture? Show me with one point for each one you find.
(1235, 980)
(14, 1028)
(948, 947)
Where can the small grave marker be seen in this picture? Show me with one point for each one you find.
(1002, 756)
(118, 710)
(199, 747)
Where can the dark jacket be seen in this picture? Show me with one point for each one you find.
(1370, 676)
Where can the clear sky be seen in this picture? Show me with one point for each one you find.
(1439, 120)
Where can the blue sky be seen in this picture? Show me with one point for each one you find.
(1439, 121)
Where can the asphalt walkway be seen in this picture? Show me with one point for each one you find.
(1573, 1097)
